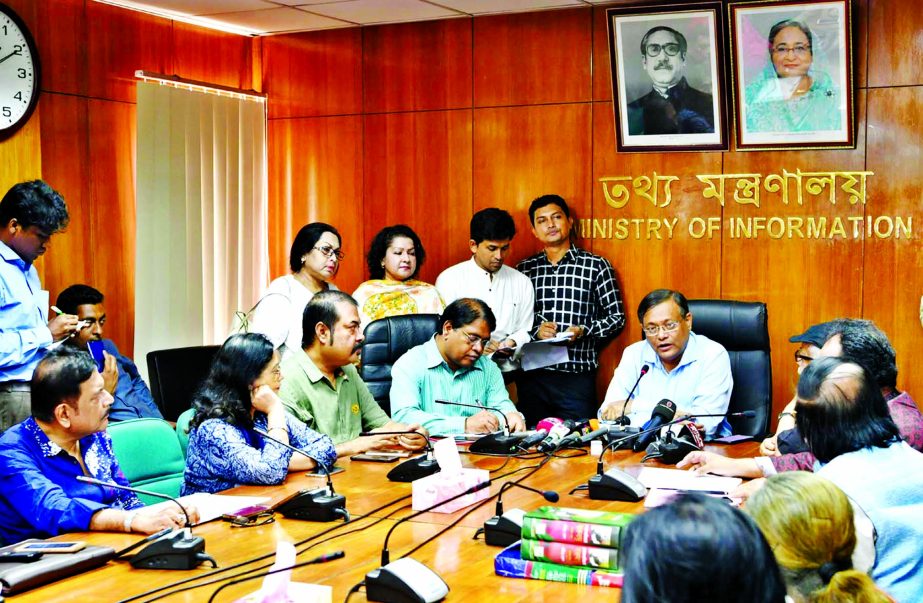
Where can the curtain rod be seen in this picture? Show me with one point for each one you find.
(178, 82)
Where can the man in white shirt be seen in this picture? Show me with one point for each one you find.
(508, 292)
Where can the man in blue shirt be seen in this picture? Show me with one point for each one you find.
(65, 437)
(30, 213)
(451, 366)
(691, 370)
(120, 375)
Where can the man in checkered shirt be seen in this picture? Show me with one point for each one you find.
(575, 291)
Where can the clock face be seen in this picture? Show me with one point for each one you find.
(19, 73)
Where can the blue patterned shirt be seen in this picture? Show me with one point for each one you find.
(40, 496)
(222, 456)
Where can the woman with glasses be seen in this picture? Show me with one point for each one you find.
(394, 259)
(240, 395)
(314, 260)
(791, 95)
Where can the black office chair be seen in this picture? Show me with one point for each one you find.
(386, 340)
(742, 328)
(176, 374)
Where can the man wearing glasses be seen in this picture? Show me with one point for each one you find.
(691, 370)
(451, 366)
(672, 106)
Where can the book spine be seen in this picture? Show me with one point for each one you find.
(558, 530)
(611, 518)
(570, 554)
(514, 567)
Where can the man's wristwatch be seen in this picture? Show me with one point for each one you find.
(786, 413)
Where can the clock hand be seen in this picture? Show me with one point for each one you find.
(14, 53)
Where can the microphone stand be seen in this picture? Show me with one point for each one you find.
(169, 550)
(502, 530)
(411, 469)
(623, 420)
(311, 505)
(495, 443)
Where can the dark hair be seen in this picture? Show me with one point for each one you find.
(841, 410)
(305, 241)
(379, 246)
(658, 296)
(492, 224)
(774, 31)
(680, 39)
(322, 308)
(225, 393)
(78, 295)
(464, 311)
(867, 345)
(694, 549)
(34, 203)
(57, 378)
(540, 202)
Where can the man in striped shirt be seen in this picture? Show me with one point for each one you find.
(575, 292)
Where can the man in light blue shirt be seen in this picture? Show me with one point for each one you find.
(30, 213)
(451, 367)
(691, 370)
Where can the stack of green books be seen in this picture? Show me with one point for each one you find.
(567, 545)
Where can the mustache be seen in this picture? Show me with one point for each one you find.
(358, 346)
(663, 65)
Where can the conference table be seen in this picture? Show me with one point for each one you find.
(376, 504)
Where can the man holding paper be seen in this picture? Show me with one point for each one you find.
(451, 367)
(691, 370)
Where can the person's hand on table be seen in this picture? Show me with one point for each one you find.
(149, 521)
(702, 463)
(770, 446)
(517, 423)
(414, 442)
(484, 421)
(611, 411)
(747, 489)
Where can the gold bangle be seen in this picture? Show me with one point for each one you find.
(786, 413)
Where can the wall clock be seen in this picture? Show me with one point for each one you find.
(19, 72)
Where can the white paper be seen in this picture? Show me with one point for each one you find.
(678, 479)
(446, 453)
(212, 506)
(538, 354)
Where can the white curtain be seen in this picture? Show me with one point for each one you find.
(202, 249)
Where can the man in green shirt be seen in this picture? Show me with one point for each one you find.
(323, 388)
(451, 366)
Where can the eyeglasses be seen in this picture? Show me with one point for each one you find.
(653, 330)
(652, 50)
(802, 359)
(330, 252)
(474, 340)
(800, 50)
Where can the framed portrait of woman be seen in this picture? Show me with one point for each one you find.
(792, 74)
(668, 80)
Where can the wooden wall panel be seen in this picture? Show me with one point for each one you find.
(418, 172)
(602, 73)
(119, 42)
(895, 49)
(532, 58)
(315, 174)
(212, 56)
(893, 268)
(112, 213)
(417, 66)
(61, 35)
(21, 153)
(65, 166)
(313, 74)
(802, 281)
(643, 261)
(521, 153)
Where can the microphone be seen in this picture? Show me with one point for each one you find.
(178, 550)
(662, 413)
(503, 530)
(623, 420)
(558, 436)
(494, 443)
(541, 430)
(415, 468)
(325, 558)
(311, 505)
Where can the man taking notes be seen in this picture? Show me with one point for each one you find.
(451, 367)
(691, 370)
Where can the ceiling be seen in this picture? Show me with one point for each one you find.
(265, 17)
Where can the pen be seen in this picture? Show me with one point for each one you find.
(57, 309)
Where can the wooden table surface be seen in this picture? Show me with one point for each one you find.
(375, 504)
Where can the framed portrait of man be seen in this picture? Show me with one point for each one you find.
(792, 74)
(667, 64)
